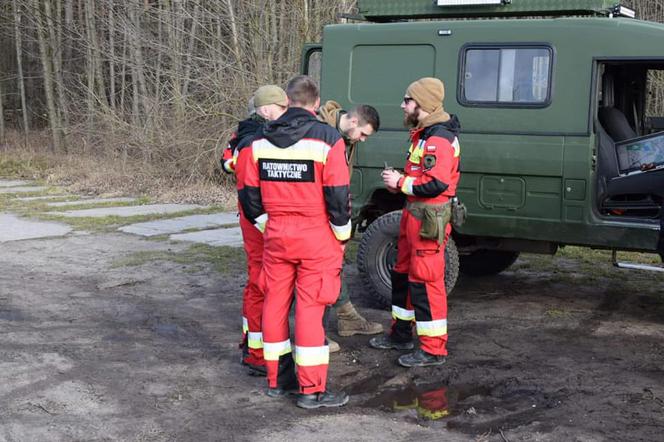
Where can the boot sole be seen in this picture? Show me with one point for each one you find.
(392, 347)
(346, 334)
(282, 393)
(322, 405)
(424, 364)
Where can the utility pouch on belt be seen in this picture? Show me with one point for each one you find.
(459, 213)
(434, 219)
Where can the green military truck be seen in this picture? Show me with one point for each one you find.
(560, 104)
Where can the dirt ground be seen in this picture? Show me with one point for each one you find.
(94, 349)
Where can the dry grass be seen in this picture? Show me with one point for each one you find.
(110, 175)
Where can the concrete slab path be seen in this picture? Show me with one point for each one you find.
(93, 201)
(231, 237)
(39, 198)
(13, 228)
(25, 189)
(14, 183)
(175, 225)
(149, 209)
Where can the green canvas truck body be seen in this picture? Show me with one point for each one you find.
(544, 105)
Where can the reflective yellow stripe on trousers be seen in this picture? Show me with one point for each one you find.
(311, 356)
(273, 350)
(245, 325)
(432, 328)
(402, 313)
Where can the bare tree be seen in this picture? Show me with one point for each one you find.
(19, 65)
(2, 114)
(47, 66)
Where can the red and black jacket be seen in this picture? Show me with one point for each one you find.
(246, 131)
(297, 166)
(432, 166)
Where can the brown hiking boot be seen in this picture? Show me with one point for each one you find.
(333, 346)
(352, 323)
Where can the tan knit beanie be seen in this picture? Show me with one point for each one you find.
(428, 92)
(270, 94)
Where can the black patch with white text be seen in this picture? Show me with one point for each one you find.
(286, 170)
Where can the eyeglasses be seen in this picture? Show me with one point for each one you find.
(407, 100)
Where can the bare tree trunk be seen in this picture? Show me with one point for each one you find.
(175, 36)
(47, 67)
(137, 65)
(56, 56)
(96, 60)
(19, 66)
(2, 115)
(123, 73)
(69, 24)
(235, 36)
(190, 51)
(111, 47)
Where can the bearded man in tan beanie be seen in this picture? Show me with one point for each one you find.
(429, 181)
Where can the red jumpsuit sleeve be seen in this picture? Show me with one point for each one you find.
(248, 188)
(336, 190)
(437, 165)
(227, 156)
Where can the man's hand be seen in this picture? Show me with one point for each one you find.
(391, 179)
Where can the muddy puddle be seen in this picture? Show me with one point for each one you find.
(431, 402)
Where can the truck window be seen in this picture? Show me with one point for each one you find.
(506, 76)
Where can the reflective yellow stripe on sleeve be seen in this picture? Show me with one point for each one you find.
(255, 340)
(245, 325)
(457, 147)
(342, 233)
(402, 313)
(407, 186)
(273, 350)
(261, 222)
(432, 328)
(312, 356)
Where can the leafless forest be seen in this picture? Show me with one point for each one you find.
(152, 82)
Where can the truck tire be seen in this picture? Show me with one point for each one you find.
(486, 262)
(377, 255)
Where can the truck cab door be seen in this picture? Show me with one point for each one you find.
(312, 56)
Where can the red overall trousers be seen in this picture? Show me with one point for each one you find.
(302, 257)
(418, 288)
(252, 297)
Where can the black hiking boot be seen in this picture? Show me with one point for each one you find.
(420, 358)
(385, 342)
(283, 390)
(324, 399)
(255, 370)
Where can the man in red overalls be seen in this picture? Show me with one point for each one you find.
(296, 188)
(270, 103)
(430, 180)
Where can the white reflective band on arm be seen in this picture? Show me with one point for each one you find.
(402, 313)
(342, 233)
(407, 186)
(245, 325)
(272, 350)
(261, 221)
(312, 356)
(457, 147)
(229, 165)
(432, 328)
(255, 340)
